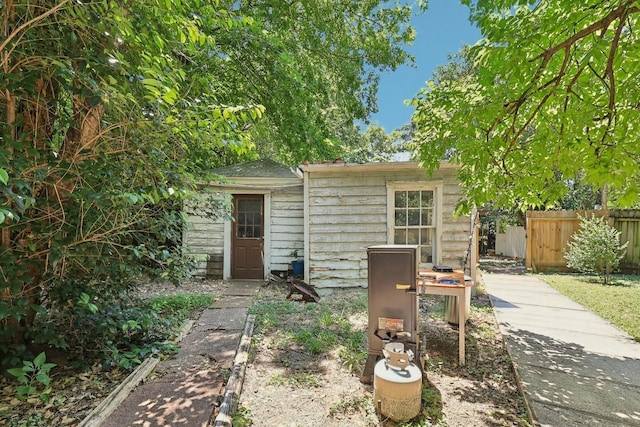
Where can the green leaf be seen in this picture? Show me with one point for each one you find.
(18, 373)
(152, 83)
(4, 177)
(43, 379)
(40, 359)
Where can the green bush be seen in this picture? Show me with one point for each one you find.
(595, 248)
(115, 327)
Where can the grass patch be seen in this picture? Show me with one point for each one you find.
(618, 302)
(317, 328)
(182, 306)
(296, 380)
(431, 403)
(351, 405)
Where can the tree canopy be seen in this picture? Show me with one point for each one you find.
(553, 95)
(113, 111)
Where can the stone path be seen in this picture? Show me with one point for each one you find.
(186, 389)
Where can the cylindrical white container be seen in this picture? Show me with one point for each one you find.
(397, 391)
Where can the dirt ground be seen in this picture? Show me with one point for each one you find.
(482, 393)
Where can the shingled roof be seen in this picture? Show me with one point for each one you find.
(263, 168)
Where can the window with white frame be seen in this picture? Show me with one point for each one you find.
(413, 220)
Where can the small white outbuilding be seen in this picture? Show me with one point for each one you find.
(328, 214)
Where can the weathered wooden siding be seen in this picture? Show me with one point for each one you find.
(345, 216)
(549, 232)
(455, 231)
(347, 213)
(204, 238)
(287, 227)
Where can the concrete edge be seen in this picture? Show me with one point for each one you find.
(100, 413)
(233, 388)
(514, 364)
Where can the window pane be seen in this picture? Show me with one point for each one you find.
(426, 236)
(427, 199)
(427, 217)
(413, 199)
(414, 217)
(413, 236)
(426, 255)
(252, 205)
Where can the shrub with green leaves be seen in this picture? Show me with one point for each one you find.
(595, 248)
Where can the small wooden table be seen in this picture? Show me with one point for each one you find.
(460, 291)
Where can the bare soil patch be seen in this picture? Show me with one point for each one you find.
(484, 392)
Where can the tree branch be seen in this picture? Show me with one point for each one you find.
(30, 22)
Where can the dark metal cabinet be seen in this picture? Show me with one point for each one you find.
(391, 265)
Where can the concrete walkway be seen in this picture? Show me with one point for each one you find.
(576, 368)
(185, 389)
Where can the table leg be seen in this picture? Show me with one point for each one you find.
(462, 320)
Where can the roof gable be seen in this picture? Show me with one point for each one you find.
(263, 168)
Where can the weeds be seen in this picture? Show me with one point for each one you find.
(241, 417)
(350, 405)
(296, 380)
(181, 306)
(33, 375)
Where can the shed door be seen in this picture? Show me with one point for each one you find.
(247, 240)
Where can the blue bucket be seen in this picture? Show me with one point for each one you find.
(297, 267)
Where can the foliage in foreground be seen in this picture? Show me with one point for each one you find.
(595, 248)
(543, 104)
(57, 394)
(118, 333)
(619, 302)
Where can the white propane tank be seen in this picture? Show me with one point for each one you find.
(397, 384)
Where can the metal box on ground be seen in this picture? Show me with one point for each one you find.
(391, 310)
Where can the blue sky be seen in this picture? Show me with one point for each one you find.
(442, 30)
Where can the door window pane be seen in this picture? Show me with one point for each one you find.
(248, 219)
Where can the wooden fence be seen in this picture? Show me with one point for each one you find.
(549, 232)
